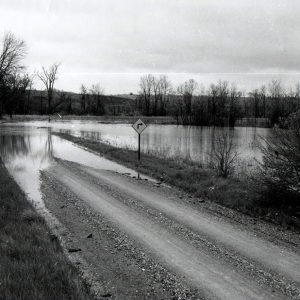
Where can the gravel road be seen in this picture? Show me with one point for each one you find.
(168, 247)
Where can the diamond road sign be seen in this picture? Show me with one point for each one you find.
(139, 126)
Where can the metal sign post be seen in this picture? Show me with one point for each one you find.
(139, 126)
(139, 148)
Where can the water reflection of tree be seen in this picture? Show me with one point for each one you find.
(48, 146)
(45, 150)
(212, 145)
(14, 145)
(66, 131)
(91, 135)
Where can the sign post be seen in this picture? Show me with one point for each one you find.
(139, 126)
(139, 148)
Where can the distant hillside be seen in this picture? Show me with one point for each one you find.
(127, 96)
(72, 103)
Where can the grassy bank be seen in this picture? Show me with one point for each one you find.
(238, 193)
(186, 175)
(32, 262)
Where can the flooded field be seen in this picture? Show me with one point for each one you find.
(29, 147)
(194, 143)
(26, 150)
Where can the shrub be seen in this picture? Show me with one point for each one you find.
(280, 170)
(224, 156)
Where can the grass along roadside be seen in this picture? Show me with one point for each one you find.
(33, 265)
(183, 174)
(238, 193)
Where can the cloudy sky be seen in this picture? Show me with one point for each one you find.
(114, 42)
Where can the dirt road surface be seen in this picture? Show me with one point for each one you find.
(155, 245)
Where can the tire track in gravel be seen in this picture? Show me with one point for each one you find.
(275, 258)
(215, 279)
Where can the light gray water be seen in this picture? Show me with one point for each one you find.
(194, 143)
(26, 150)
(29, 147)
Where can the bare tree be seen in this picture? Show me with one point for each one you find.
(223, 92)
(255, 99)
(24, 82)
(146, 90)
(224, 156)
(48, 77)
(12, 52)
(276, 92)
(234, 96)
(13, 92)
(27, 104)
(69, 103)
(97, 92)
(186, 90)
(165, 88)
(212, 103)
(83, 94)
(263, 95)
(156, 93)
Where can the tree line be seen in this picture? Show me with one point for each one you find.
(13, 80)
(221, 104)
(15, 83)
(16, 86)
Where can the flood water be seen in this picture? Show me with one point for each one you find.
(29, 147)
(26, 150)
(194, 143)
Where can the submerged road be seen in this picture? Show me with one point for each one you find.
(117, 197)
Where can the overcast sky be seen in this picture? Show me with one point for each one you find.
(114, 42)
